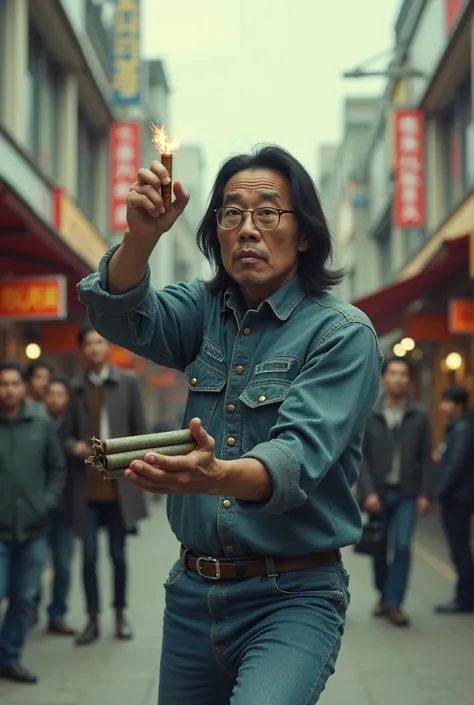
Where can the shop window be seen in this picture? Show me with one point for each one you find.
(86, 174)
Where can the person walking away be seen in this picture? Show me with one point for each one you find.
(396, 482)
(106, 403)
(38, 374)
(281, 376)
(32, 477)
(60, 534)
(456, 495)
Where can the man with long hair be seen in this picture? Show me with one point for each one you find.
(281, 376)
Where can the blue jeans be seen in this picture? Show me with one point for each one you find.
(106, 514)
(21, 565)
(399, 517)
(263, 640)
(61, 544)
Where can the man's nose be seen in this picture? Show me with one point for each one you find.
(248, 230)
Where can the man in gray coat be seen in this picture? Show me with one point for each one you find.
(106, 403)
(396, 482)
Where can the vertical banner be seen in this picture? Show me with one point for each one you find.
(453, 11)
(409, 201)
(126, 53)
(125, 159)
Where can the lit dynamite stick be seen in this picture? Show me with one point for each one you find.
(166, 148)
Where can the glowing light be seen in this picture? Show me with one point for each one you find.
(399, 350)
(408, 344)
(453, 361)
(33, 351)
(161, 140)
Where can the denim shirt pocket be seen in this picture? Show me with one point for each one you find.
(205, 382)
(263, 396)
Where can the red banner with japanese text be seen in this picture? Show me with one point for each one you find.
(125, 161)
(33, 298)
(409, 201)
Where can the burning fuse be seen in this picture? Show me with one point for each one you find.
(167, 147)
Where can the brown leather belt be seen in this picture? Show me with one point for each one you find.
(226, 569)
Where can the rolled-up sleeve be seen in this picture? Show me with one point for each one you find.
(164, 325)
(325, 409)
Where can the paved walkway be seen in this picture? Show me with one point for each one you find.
(429, 664)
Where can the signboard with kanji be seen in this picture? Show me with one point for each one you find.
(409, 201)
(125, 159)
(126, 53)
(33, 298)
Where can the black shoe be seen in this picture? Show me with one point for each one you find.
(89, 634)
(14, 671)
(454, 607)
(123, 630)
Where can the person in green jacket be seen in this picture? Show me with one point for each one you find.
(32, 479)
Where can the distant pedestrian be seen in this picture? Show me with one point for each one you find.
(60, 534)
(32, 477)
(456, 495)
(38, 374)
(106, 403)
(396, 482)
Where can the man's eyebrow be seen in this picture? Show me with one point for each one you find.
(231, 197)
(270, 196)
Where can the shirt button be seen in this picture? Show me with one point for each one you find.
(262, 398)
(246, 331)
(229, 549)
(231, 408)
(194, 382)
(226, 503)
(231, 441)
(239, 369)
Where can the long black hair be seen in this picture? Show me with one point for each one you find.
(315, 276)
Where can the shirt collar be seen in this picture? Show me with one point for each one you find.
(101, 377)
(283, 302)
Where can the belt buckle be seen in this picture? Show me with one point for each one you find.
(208, 559)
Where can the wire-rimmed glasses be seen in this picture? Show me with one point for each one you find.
(264, 218)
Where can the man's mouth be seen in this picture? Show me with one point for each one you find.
(249, 255)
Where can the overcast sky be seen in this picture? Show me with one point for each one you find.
(254, 71)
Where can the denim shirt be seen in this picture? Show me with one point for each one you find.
(290, 383)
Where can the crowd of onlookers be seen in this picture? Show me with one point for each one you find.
(49, 495)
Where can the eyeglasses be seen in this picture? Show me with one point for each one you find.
(229, 217)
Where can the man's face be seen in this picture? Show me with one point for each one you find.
(57, 398)
(12, 389)
(39, 382)
(95, 349)
(449, 409)
(260, 261)
(396, 379)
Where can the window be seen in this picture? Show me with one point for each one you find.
(457, 137)
(88, 143)
(43, 98)
(385, 257)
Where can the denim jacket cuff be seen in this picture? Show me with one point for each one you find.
(93, 292)
(284, 472)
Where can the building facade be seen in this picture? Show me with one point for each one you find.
(417, 174)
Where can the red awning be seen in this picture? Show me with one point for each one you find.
(386, 307)
(29, 247)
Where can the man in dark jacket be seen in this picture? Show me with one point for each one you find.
(456, 495)
(32, 476)
(106, 403)
(396, 482)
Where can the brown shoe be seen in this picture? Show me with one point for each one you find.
(90, 633)
(123, 630)
(380, 609)
(60, 628)
(397, 617)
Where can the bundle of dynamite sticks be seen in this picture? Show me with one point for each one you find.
(112, 457)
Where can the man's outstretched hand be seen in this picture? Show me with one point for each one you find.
(199, 472)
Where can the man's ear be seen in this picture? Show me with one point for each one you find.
(303, 245)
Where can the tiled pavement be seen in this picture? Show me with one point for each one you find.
(430, 664)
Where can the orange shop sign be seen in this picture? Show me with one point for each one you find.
(461, 316)
(77, 231)
(33, 298)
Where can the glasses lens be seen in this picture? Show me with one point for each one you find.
(229, 218)
(266, 218)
